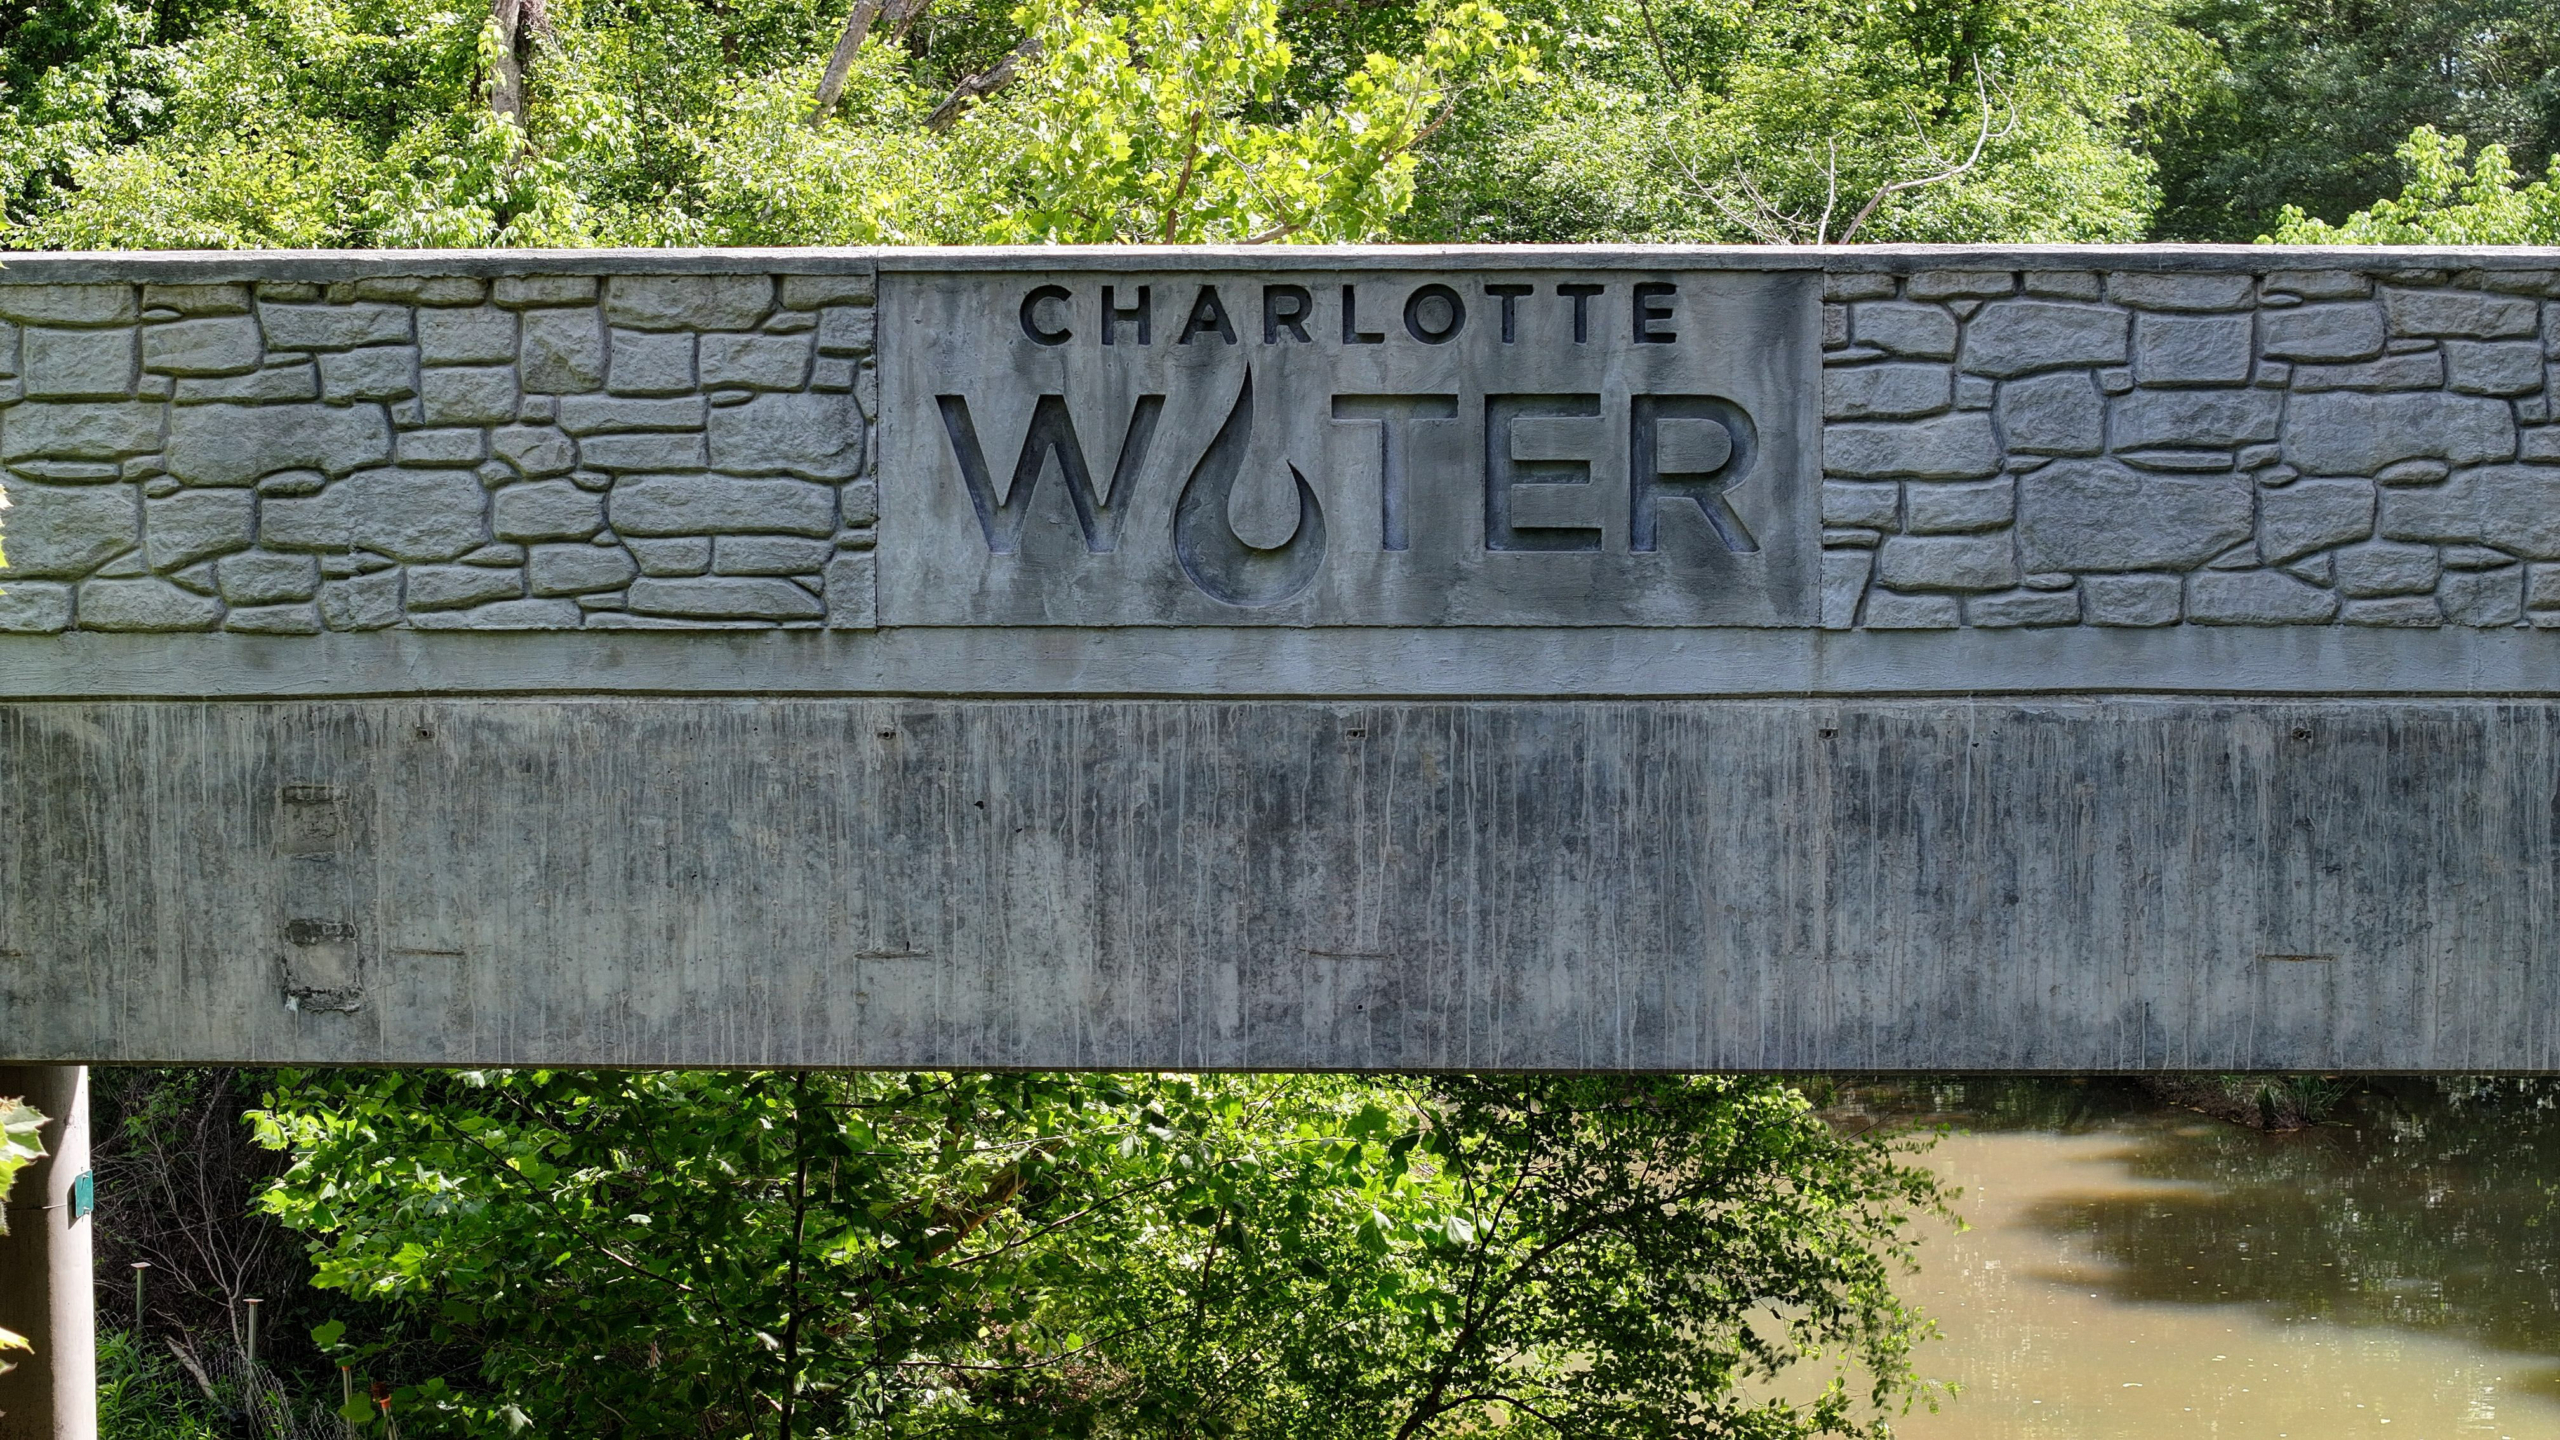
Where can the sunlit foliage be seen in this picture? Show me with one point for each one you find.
(647, 1255)
(2443, 202)
(297, 123)
(1776, 121)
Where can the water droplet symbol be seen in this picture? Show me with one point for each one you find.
(1204, 539)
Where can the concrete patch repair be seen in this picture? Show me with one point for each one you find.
(1368, 658)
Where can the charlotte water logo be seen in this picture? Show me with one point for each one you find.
(1212, 554)
(1553, 458)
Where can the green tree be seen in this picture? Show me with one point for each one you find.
(2443, 202)
(411, 123)
(686, 1254)
(1598, 1255)
(1773, 121)
(1115, 145)
(2306, 101)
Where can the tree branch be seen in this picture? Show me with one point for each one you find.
(1048, 1227)
(857, 27)
(981, 85)
(1660, 57)
(799, 1235)
(1507, 1398)
(1981, 138)
(903, 15)
(502, 1169)
(506, 84)
(1190, 165)
(1830, 190)
(1434, 1403)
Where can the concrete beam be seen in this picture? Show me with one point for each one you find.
(2102, 884)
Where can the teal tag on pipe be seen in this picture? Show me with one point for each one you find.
(84, 1193)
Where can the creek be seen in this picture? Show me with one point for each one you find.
(2137, 1271)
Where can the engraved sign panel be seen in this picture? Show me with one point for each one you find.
(1618, 447)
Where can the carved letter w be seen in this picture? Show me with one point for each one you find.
(1051, 432)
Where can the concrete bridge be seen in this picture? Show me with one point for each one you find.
(2027, 658)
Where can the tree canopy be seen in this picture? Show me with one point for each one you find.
(654, 122)
(160, 123)
(2444, 202)
(2309, 102)
(644, 1255)
(1775, 121)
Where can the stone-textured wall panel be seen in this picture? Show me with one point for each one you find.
(434, 451)
(2283, 447)
(2243, 428)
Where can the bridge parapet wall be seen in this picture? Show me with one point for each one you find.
(2008, 440)
(1384, 658)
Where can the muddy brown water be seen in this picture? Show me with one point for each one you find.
(2151, 1274)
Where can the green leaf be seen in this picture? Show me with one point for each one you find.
(19, 1146)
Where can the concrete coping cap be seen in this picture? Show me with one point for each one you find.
(219, 266)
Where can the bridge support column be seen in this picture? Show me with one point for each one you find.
(47, 1291)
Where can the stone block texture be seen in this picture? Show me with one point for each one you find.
(2297, 447)
(443, 452)
(2001, 448)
